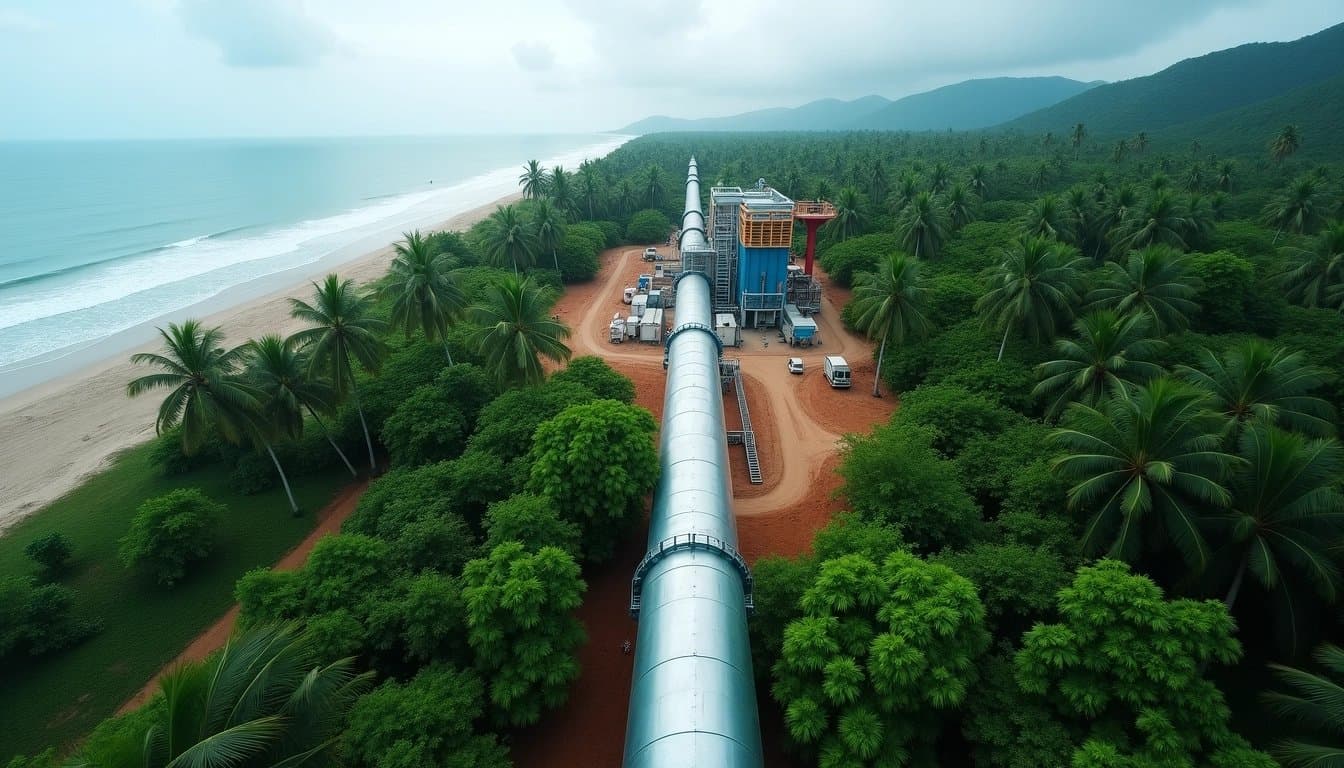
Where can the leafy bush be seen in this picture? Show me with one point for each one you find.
(595, 462)
(425, 721)
(578, 253)
(1004, 211)
(37, 619)
(858, 254)
(894, 475)
(1016, 583)
(171, 531)
(1226, 281)
(532, 520)
(519, 602)
(956, 415)
(599, 378)
(425, 427)
(462, 487)
(52, 552)
(647, 226)
(611, 232)
(951, 298)
(976, 246)
(506, 425)
(168, 456)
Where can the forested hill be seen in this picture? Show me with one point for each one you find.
(1316, 110)
(972, 104)
(963, 106)
(1196, 88)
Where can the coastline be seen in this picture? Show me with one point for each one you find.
(73, 424)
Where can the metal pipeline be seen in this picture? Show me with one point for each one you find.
(693, 697)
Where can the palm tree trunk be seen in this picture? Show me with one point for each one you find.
(448, 353)
(1236, 582)
(334, 446)
(881, 353)
(556, 259)
(1277, 232)
(1004, 343)
(373, 465)
(283, 480)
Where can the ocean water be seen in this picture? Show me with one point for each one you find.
(100, 237)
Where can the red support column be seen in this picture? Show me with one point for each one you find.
(812, 226)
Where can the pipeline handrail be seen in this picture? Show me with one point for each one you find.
(690, 541)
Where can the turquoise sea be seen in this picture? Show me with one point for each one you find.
(100, 237)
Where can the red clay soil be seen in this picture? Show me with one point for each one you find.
(213, 638)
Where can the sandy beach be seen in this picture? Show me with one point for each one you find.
(59, 432)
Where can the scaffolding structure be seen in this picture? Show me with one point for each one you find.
(804, 292)
(723, 215)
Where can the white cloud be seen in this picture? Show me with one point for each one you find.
(259, 33)
(533, 56)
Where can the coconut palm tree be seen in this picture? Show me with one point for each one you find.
(1199, 219)
(960, 206)
(341, 334)
(1046, 217)
(939, 178)
(590, 186)
(286, 387)
(979, 181)
(560, 191)
(1316, 279)
(425, 295)
(273, 372)
(204, 392)
(625, 197)
(907, 186)
(533, 180)
(1034, 289)
(922, 226)
(1101, 186)
(1285, 143)
(548, 224)
(1223, 176)
(1077, 135)
(877, 182)
(1152, 282)
(266, 699)
(1144, 462)
(1112, 352)
(1120, 205)
(1270, 385)
(1194, 178)
(1120, 151)
(1040, 177)
(515, 331)
(1160, 220)
(1286, 513)
(509, 238)
(1080, 216)
(1301, 208)
(889, 305)
(823, 190)
(653, 184)
(1141, 142)
(849, 218)
(1316, 707)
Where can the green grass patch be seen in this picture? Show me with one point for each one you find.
(57, 699)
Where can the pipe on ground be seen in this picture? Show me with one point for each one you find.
(693, 697)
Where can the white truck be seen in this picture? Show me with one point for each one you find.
(836, 371)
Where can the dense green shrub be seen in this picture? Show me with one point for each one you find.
(426, 721)
(52, 552)
(505, 426)
(171, 531)
(956, 415)
(533, 520)
(602, 380)
(168, 456)
(611, 232)
(858, 254)
(976, 246)
(1002, 211)
(37, 619)
(1226, 282)
(521, 626)
(426, 427)
(462, 487)
(951, 298)
(595, 462)
(895, 475)
(647, 226)
(578, 253)
(1016, 583)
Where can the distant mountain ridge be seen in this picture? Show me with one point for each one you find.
(966, 105)
(1196, 88)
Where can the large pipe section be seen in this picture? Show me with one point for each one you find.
(693, 697)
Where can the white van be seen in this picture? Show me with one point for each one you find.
(836, 370)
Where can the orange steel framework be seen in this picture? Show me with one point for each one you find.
(764, 229)
(813, 213)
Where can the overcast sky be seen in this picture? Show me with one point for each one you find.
(169, 68)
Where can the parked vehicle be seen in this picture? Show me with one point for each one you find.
(627, 295)
(795, 365)
(836, 370)
(651, 254)
(798, 330)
